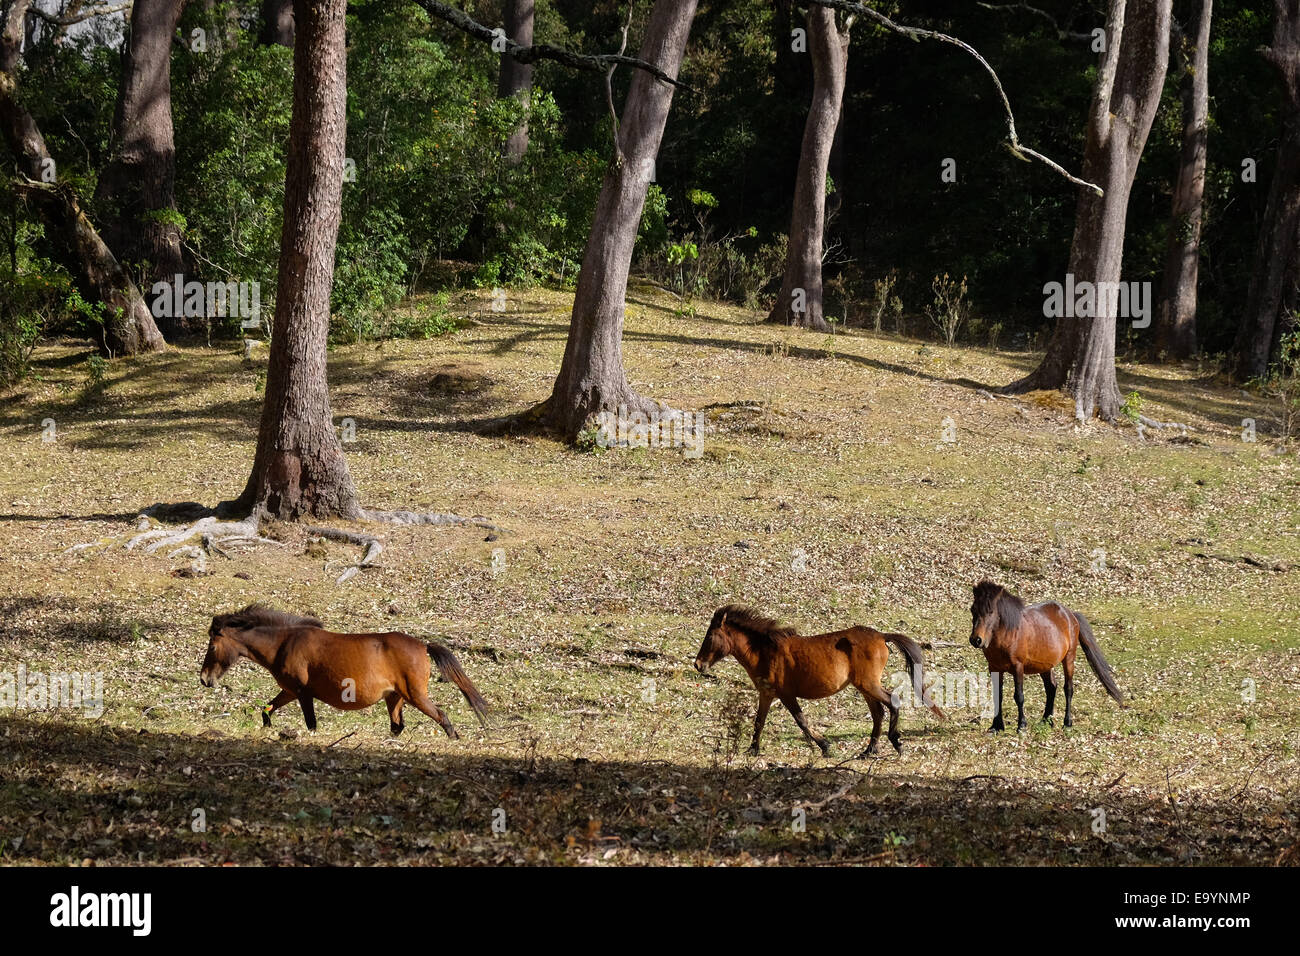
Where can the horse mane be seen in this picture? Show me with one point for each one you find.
(994, 597)
(262, 615)
(761, 629)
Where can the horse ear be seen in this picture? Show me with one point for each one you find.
(724, 619)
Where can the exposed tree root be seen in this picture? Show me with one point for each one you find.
(216, 533)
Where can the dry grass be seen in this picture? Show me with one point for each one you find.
(825, 495)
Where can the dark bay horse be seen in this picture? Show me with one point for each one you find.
(346, 671)
(1019, 640)
(786, 666)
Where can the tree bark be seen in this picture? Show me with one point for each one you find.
(1080, 355)
(516, 79)
(1273, 294)
(1176, 325)
(277, 23)
(800, 300)
(140, 179)
(128, 328)
(299, 468)
(591, 377)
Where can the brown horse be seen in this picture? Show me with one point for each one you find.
(786, 666)
(346, 671)
(1020, 640)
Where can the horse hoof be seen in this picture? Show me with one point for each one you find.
(995, 729)
(1048, 721)
(753, 751)
(898, 745)
(396, 729)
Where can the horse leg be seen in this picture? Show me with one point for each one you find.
(395, 704)
(886, 700)
(428, 707)
(764, 702)
(1069, 690)
(792, 705)
(1019, 675)
(307, 703)
(280, 699)
(877, 715)
(995, 678)
(1049, 687)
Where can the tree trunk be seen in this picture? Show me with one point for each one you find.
(1176, 325)
(1273, 287)
(129, 329)
(1080, 355)
(800, 300)
(277, 23)
(140, 179)
(517, 78)
(299, 468)
(591, 377)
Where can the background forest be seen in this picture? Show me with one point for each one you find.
(432, 205)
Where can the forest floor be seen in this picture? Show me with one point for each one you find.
(826, 494)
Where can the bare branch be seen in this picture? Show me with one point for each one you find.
(1018, 149)
(1061, 32)
(67, 20)
(592, 62)
(609, 88)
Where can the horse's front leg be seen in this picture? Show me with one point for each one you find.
(792, 705)
(280, 699)
(995, 679)
(1019, 675)
(765, 699)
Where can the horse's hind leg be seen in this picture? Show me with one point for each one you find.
(877, 716)
(1069, 689)
(428, 707)
(883, 699)
(1049, 688)
(395, 704)
(280, 699)
(792, 705)
(308, 705)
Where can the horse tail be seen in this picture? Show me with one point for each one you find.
(451, 670)
(1095, 659)
(915, 668)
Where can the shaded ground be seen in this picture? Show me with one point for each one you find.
(826, 494)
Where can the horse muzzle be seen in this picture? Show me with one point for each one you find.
(701, 666)
(976, 641)
(206, 680)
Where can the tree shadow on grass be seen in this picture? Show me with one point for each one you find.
(77, 790)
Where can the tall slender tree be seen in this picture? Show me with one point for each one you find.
(136, 191)
(592, 378)
(299, 468)
(516, 78)
(1176, 322)
(128, 327)
(800, 300)
(1275, 283)
(1080, 355)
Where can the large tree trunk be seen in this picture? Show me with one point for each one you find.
(800, 300)
(128, 327)
(1176, 325)
(299, 468)
(591, 377)
(277, 23)
(517, 78)
(140, 180)
(1274, 294)
(1081, 353)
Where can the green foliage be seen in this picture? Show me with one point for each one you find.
(1132, 407)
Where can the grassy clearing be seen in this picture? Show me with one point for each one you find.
(825, 495)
